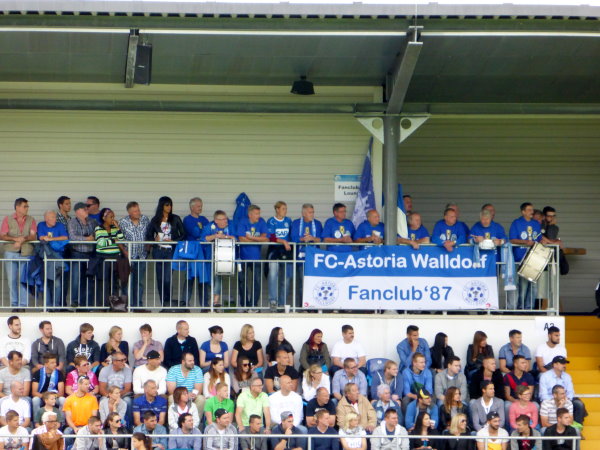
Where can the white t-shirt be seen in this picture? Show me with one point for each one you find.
(279, 403)
(353, 440)
(141, 374)
(21, 407)
(484, 432)
(14, 441)
(352, 350)
(547, 353)
(20, 344)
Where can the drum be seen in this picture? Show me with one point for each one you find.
(224, 257)
(535, 261)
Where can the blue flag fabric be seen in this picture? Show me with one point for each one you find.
(366, 197)
(241, 211)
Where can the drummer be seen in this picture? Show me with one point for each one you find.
(487, 229)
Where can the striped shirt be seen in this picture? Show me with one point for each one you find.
(549, 408)
(194, 377)
(106, 242)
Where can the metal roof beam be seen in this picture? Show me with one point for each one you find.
(403, 73)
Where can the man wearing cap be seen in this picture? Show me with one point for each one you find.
(354, 402)
(488, 402)
(287, 428)
(224, 435)
(423, 403)
(494, 432)
(152, 370)
(559, 376)
(286, 400)
(150, 401)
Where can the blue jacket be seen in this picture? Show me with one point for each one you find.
(405, 353)
(410, 378)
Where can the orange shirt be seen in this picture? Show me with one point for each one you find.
(82, 408)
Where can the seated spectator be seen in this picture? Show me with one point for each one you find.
(559, 376)
(258, 442)
(221, 401)
(448, 232)
(321, 401)
(139, 441)
(322, 428)
(214, 348)
(417, 233)
(371, 230)
(182, 405)
(285, 400)
(488, 403)
(424, 426)
(47, 379)
(313, 379)
(14, 372)
(113, 403)
(423, 403)
(488, 372)
(458, 427)
(389, 435)
(524, 430)
(14, 341)
(352, 435)
(178, 344)
(494, 432)
(50, 400)
(523, 407)
(391, 377)
(85, 345)
(550, 406)
(451, 406)
(561, 429)
(48, 343)
(16, 402)
(113, 424)
(441, 352)
(277, 341)
(248, 347)
(476, 353)
(12, 435)
(47, 434)
(410, 345)
(150, 427)
(354, 402)
(547, 351)
(82, 368)
(514, 348)
(180, 434)
(283, 367)
(384, 402)
(151, 370)
(150, 401)
(118, 374)
(287, 427)
(93, 427)
(115, 344)
(338, 230)
(517, 377)
(226, 434)
(416, 378)
(145, 346)
(80, 406)
(215, 375)
(350, 374)
(452, 376)
(348, 348)
(315, 351)
(189, 376)
(253, 402)
(243, 375)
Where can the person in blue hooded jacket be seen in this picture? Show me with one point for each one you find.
(52, 231)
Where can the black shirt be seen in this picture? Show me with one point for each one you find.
(44, 384)
(559, 444)
(272, 373)
(312, 407)
(251, 354)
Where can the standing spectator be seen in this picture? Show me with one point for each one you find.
(352, 435)
(243, 375)
(286, 400)
(350, 374)
(288, 427)
(424, 426)
(80, 407)
(53, 237)
(189, 376)
(219, 401)
(448, 232)
(487, 229)
(371, 230)
(559, 376)
(550, 406)
(321, 401)
(14, 436)
(146, 345)
(251, 229)
(348, 348)
(279, 228)
(451, 377)
(14, 372)
(215, 375)
(390, 376)
(277, 341)
(47, 379)
(384, 402)
(114, 425)
(182, 405)
(313, 379)
(64, 208)
(476, 353)
(164, 227)
(274, 373)
(458, 427)
(178, 344)
(315, 351)
(14, 341)
(514, 348)
(253, 402)
(81, 228)
(115, 344)
(323, 428)
(354, 402)
(16, 402)
(338, 230)
(194, 224)
(550, 349)
(92, 205)
(488, 372)
(523, 407)
(48, 343)
(423, 404)
(561, 429)
(518, 377)
(93, 427)
(390, 435)
(18, 228)
(112, 404)
(225, 433)
(185, 427)
(524, 430)
(248, 347)
(306, 229)
(150, 401)
(214, 348)
(411, 345)
(258, 442)
(417, 233)
(135, 228)
(451, 406)
(441, 352)
(82, 368)
(150, 427)
(151, 371)
(47, 433)
(481, 408)
(50, 400)
(416, 378)
(494, 432)
(84, 345)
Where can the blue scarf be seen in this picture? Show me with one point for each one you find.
(508, 269)
(52, 385)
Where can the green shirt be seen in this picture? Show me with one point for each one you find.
(106, 243)
(213, 403)
(251, 405)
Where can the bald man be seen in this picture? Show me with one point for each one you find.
(417, 233)
(371, 230)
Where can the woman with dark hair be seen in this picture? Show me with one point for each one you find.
(476, 353)
(315, 351)
(214, 348)
(452, 406)
(243, 375)
(164, 227)
(215, 375)
(423, 428)
(113, 425)
(139, 441)
(440, 352)
(277, 341)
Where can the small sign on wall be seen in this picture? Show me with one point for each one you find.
(346, 188)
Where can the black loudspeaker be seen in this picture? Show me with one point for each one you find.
(143, 64)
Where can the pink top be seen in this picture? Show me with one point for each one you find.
(530, 411)
(73, 375)
(20, 222)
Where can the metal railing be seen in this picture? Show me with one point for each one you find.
(163, 283)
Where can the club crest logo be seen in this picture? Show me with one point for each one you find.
(325, 293)
(476, 293)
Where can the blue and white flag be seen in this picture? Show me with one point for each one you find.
(366, 197)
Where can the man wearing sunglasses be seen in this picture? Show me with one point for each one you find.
(120, 375)
(93, 208)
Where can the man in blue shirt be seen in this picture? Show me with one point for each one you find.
(92, 205)
(305, 229)
(52, 232)
(448, 232)
(338, 230)
(558, 376)
(410, 345)
(486, 228)
(371, 230)
(513, 348)
(455, 207)
(417, 233)
(280, 274)
(416, 377)
(251, 229)
(193, 224)
(151, 427)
